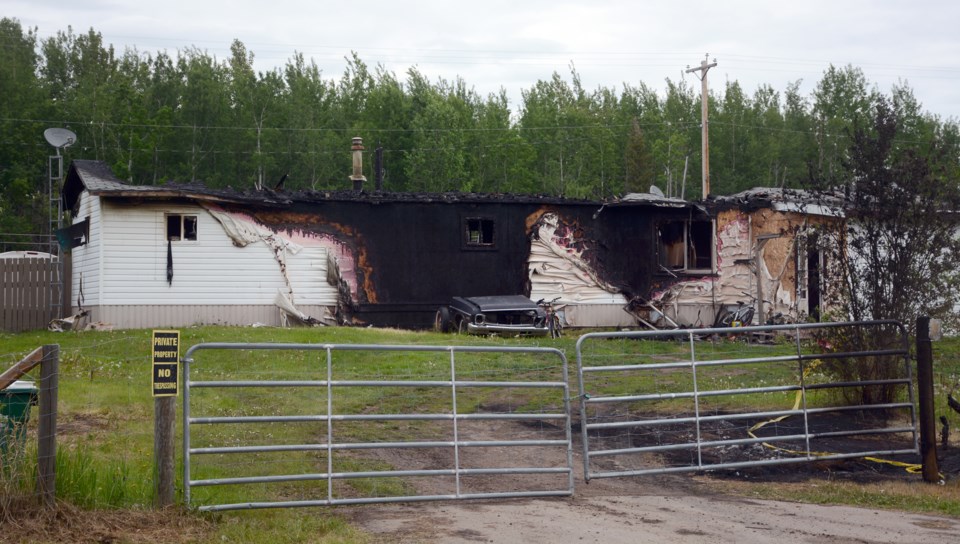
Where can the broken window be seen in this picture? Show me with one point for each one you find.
(479, 232)
(76, 235)
(811, 273)
(181, 227)
(687, 245)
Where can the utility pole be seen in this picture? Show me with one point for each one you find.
(705, 144)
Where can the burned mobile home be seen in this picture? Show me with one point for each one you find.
(177, 255)
(768, 255)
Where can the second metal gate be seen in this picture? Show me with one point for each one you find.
(705, 399)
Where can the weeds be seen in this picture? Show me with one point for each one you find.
(97, 483)
(17, 468)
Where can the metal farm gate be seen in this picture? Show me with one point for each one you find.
(727, 398)
(357, 424)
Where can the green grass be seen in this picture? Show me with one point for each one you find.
(709, 378)
(291, 526)
(90, 482)
(106, 410)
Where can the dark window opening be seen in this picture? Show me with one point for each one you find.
(687, 245)
(181, 227)
(701, 245)
(479, 232)
(814, 269)
(76, 235)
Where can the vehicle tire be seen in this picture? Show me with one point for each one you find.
(442, 321)
(460, 324)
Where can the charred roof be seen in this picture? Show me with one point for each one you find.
(97, 178)
(780, 199)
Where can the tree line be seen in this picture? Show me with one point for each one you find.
(191, 117)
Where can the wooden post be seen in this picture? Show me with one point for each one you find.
(928, 426)
(165, 412)
(47, 427)
(25, 365)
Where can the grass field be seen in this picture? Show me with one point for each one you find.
(106, 413)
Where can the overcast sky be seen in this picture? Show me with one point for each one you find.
(494, 44)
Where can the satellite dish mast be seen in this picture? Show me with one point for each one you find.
(59, 138)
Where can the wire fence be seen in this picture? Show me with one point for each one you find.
(44, 243)
(103, 423)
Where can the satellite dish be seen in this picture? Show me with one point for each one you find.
(655, 191)
(60, 137)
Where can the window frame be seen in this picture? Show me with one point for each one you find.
(183, 218)
(689, 241)
(484, 242)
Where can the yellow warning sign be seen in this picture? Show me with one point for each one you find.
(166, 363)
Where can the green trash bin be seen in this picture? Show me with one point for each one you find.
(15, 403)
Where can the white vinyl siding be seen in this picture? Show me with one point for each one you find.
(207, 271)
(86, 273)
(307, 271)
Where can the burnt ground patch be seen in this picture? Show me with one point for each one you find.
(781, 456)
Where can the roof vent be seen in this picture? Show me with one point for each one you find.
(358, 177)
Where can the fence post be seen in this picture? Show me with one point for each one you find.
(928, 426)
(47, 427)
(165, 412)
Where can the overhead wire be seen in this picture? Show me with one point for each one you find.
(345, 130)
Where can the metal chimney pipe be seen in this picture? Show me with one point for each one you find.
(358, 177)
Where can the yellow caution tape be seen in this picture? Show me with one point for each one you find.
(912, 468)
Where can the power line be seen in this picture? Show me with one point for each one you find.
(101, 124)
(814, 131)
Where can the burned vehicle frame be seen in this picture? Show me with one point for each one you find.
(509, 314)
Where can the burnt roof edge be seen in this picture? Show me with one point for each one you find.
(97, 178)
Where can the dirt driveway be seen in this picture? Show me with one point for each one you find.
(648, 518)
(661, 509)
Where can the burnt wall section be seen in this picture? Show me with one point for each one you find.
(411, 257)
(630, 252)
